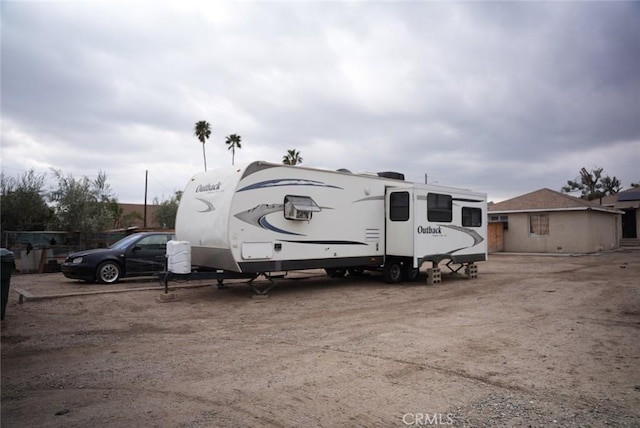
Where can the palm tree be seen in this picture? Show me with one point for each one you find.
(233, 141)
(292, 157)
(203, 132)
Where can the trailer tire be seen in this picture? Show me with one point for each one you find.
(410, 273)
(336, 272)
(356, 271)
(392, 272)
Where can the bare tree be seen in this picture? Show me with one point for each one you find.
(592, 184)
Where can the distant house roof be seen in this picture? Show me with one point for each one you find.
(547, 200)
(629, 198)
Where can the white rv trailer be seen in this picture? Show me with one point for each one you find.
(265, 217)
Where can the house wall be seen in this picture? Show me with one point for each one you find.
(569, 232)
(604, 231)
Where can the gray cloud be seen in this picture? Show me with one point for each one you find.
(501, 97)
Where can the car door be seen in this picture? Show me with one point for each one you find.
(147, 255)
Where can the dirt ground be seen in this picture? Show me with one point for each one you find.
(533, 341)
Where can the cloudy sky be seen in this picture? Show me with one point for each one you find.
(503, 98)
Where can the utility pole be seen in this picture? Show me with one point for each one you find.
(146, 179)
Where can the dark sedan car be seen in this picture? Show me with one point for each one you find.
(139, 254)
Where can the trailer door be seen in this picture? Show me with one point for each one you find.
(399, 222)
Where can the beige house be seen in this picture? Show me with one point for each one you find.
(546, 221)
(627, 201)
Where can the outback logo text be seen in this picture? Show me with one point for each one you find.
(209, 187)
(430, 230)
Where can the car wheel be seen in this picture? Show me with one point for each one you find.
(108, 273)
(392, 272)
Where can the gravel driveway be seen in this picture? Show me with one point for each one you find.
(533, 341)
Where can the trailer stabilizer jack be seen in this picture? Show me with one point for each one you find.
(470, 269)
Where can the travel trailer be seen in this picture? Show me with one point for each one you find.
(265, 217)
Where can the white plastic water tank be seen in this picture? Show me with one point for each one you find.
(179, 256)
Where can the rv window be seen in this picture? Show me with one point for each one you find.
(299, 207)
(399, 206)
(471, 217)
(439, 207)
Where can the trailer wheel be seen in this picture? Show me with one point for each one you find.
(336, 272)
(410, 273)
(392, 272)
(356, 271)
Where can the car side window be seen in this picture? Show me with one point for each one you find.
(153, 242)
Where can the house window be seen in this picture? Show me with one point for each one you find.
(299, 207)
(538, 224)
(399, 206)
(504, 219)
(439, 207)
(471, 217)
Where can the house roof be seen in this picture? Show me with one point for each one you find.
(629, 198)
(547, 200)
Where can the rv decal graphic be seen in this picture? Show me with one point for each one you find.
(209, 205)
(424, 198)
(256, 216)
(328, 242)
(370, 198)
(262, 221)
(475, 235)
(287, 182)
(466, 200)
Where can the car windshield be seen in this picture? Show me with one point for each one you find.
(124, 242)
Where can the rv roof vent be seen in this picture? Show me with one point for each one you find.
(392, 174)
